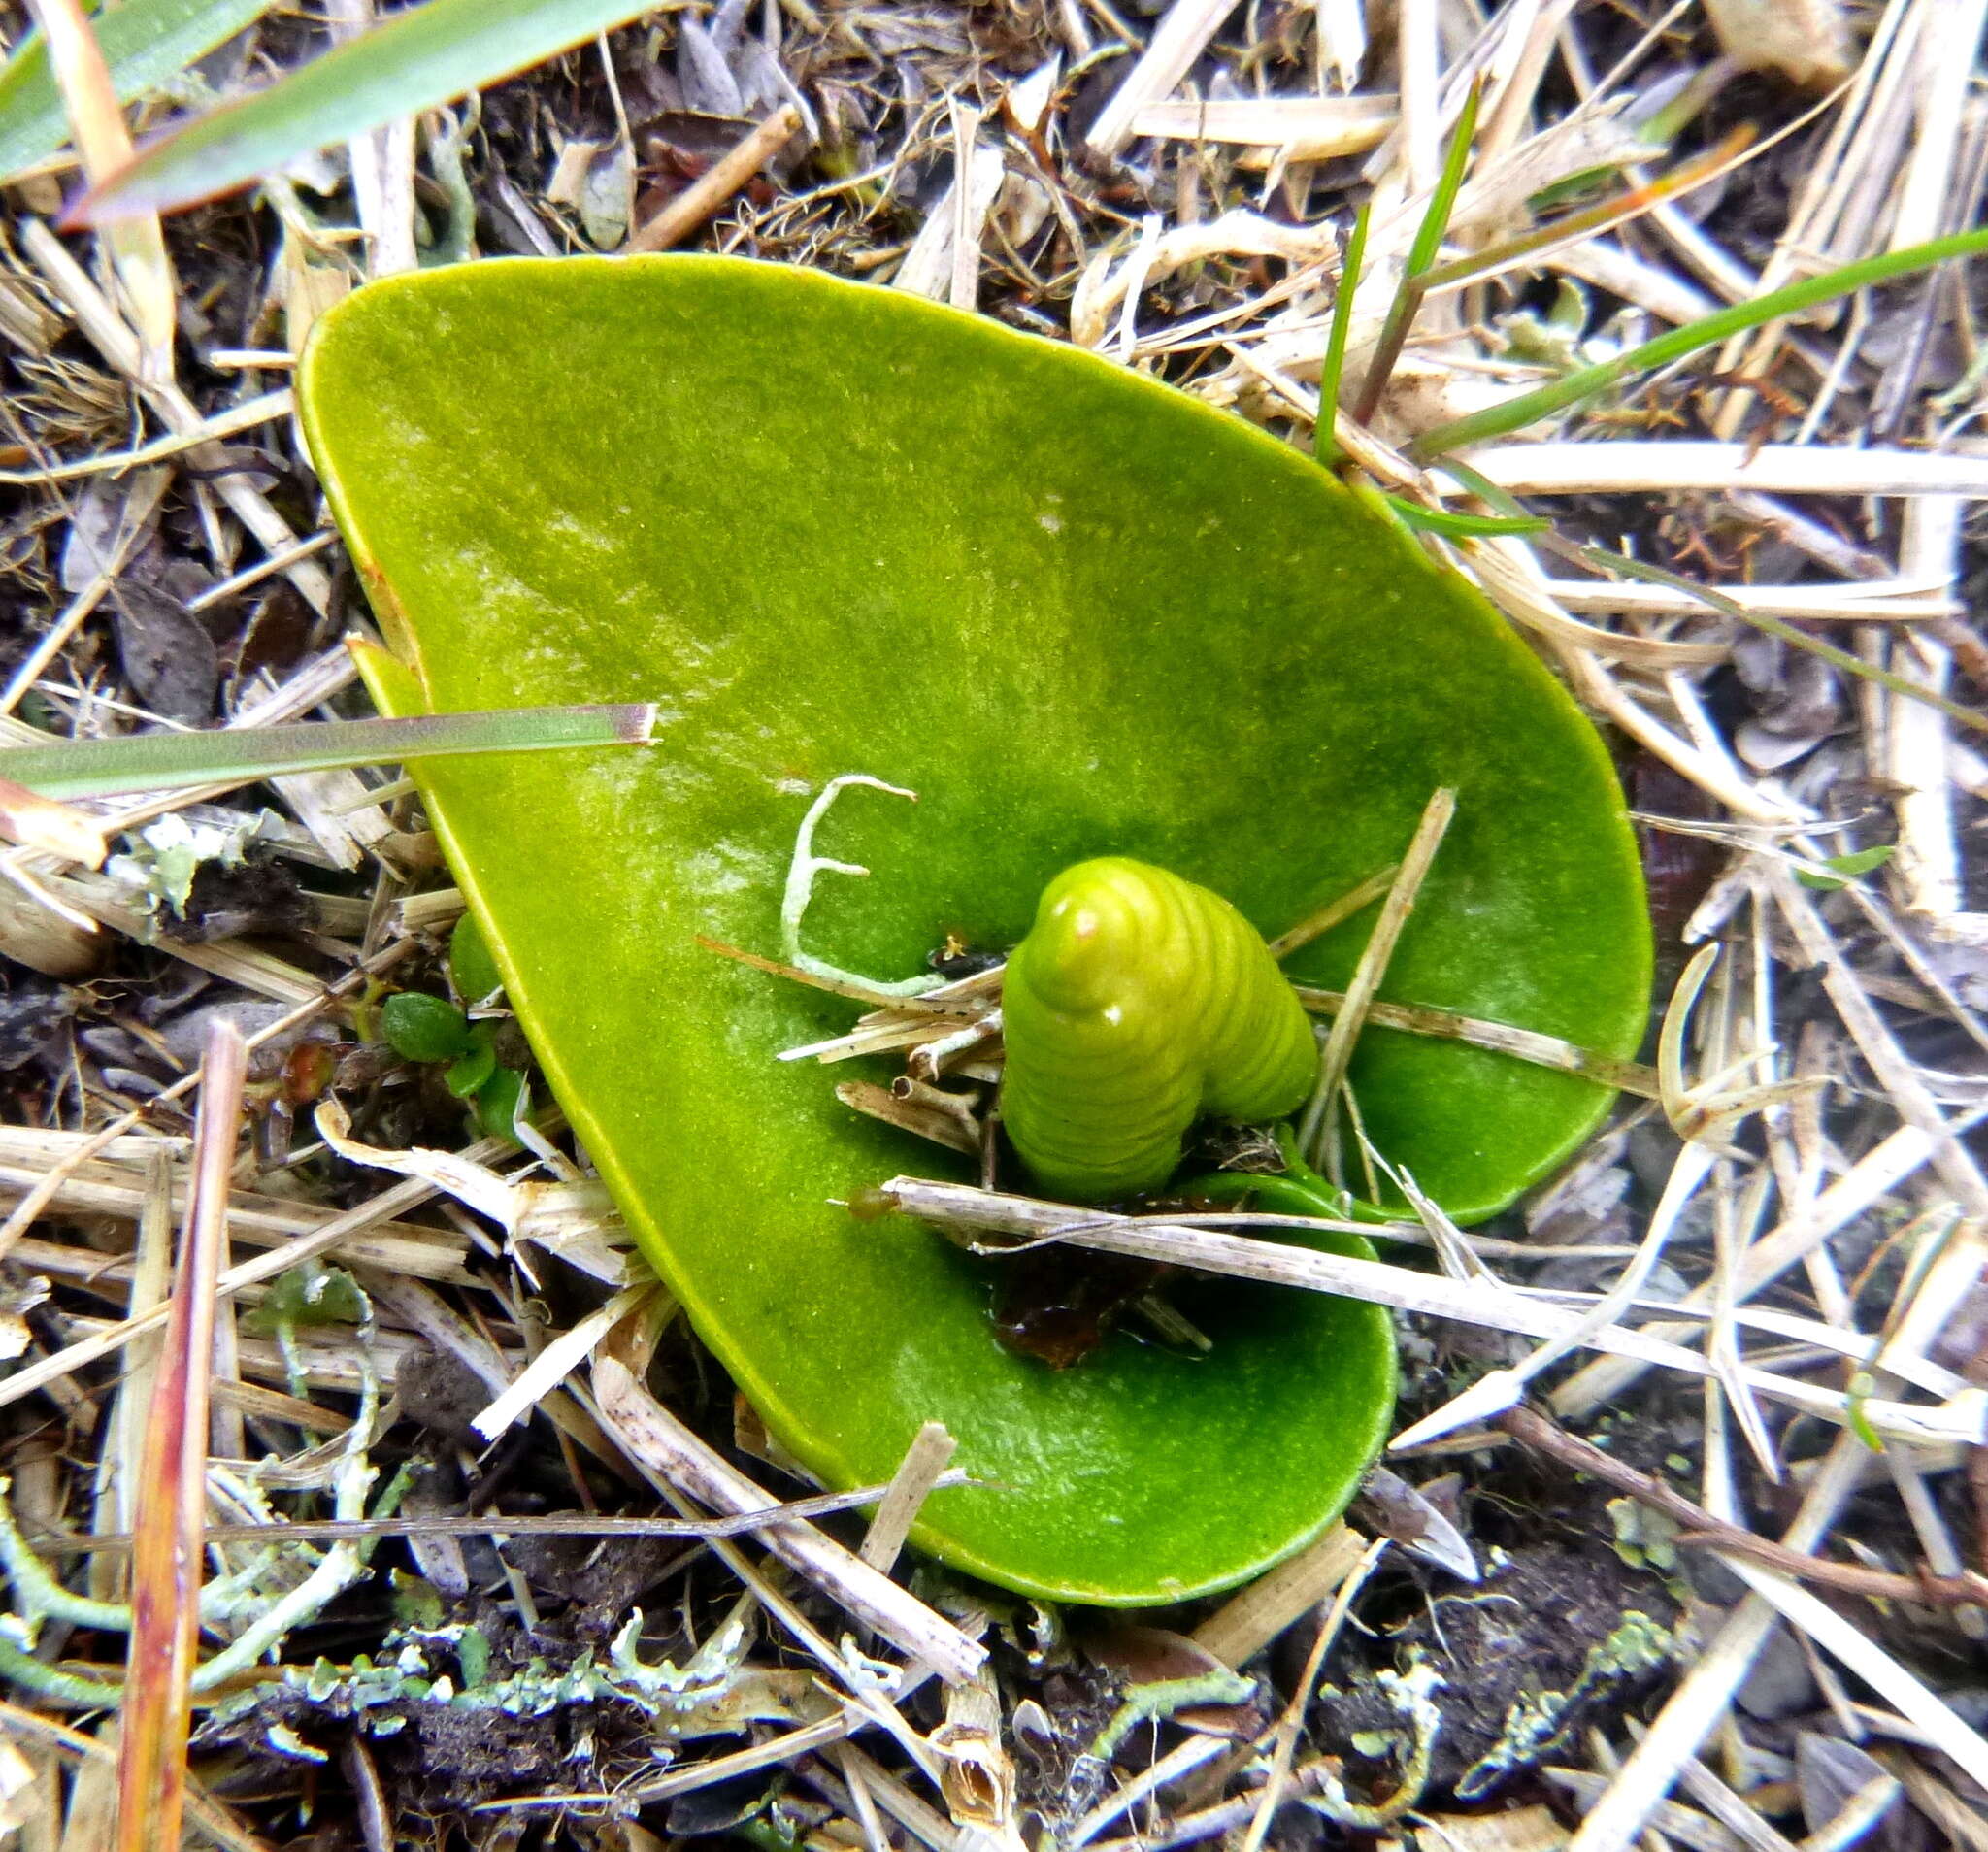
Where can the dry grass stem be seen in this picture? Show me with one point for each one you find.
(1177, 42)
(1545, 1051)
(1367, 974)
(669, 1450)
(1633, 468)
(917, 1474)
(703, 196)
(1248, 1621)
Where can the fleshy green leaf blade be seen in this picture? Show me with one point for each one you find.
(162, 761)
(419, 1027)
(146, 43)
(1078, 614)
(415, 61)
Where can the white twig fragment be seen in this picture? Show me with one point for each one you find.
(1343, 38)
(1373, 967)
(1497, 1390)
(557, 1360)
(931, 268)
(1301, 128)
(1173, 1767)
(1248, 1621)
(1915, 734)
(1275, 1263)
(1865, 1657)
(1947, 73)
(475, 1185)
(969, 207)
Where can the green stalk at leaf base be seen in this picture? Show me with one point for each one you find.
(161, 761)
(1529, 408)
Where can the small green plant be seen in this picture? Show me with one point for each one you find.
(437, 1033)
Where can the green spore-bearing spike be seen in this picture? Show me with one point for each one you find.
(1137, 1002)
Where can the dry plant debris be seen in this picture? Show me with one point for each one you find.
(435, 1601)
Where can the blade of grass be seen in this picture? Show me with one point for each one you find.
(1492, 494)
(417, 60)
(1324, 445)
(161, 761)
(1400, 311)
(1342, 906)
(1515, 414)
(172, 1499)
(1621, 566)
(145, 42)
(1442, 520)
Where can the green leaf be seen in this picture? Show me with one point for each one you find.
(471, 968)
(310, 1295)
(1862, 1385)
(497, 1103)
(469, 1075)
(834, 530)
(417, 1602)
(161, 761)
(146, 43)
(417, 60)
(1848, 867)
(419, 1027)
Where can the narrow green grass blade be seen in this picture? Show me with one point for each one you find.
(415, 61)
(1515, 414)
(1442, 200)
(1492, 494)
(1324, 445)
(1432, 520)
(161, 761)
(1407, 297)
(145, 42)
